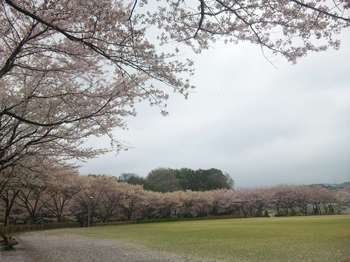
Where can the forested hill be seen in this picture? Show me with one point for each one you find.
(169, 180)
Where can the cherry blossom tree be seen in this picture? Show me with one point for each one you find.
(73, 69)
(291, 28)
(62, 185)
(84, 204)
(32, 192)
(101, 199)
(8, 197)
(18, 179)
(69, 70)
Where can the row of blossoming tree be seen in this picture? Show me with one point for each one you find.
(62, 195)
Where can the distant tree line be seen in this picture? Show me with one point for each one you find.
(58, 194)
(170, 180)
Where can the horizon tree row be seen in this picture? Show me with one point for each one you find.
(53, 193)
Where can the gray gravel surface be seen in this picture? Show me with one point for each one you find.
(45, 247)
(20, 254)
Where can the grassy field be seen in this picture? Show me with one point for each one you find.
(324, 238)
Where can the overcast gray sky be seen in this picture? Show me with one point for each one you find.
(263, 125)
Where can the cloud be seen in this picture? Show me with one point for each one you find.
(264, 125)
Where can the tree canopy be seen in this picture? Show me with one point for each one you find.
(74, 69)
(169, 180)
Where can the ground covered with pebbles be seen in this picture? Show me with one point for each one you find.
(46, 247)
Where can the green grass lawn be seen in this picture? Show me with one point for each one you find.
(323, 238)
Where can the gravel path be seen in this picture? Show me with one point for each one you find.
(44, 247)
